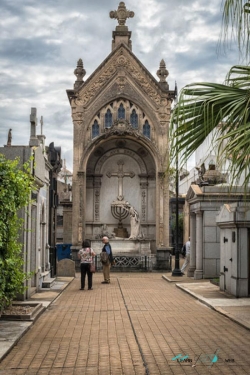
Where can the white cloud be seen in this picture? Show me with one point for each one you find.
(42, 41)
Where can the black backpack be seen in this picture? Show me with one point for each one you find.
(104, 257)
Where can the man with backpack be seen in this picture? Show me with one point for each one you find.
(106, 257)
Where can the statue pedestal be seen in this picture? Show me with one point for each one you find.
(121, 232)
(124, 246)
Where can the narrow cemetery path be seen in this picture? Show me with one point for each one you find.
(139, 324)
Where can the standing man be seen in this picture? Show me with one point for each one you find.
(106, 260)
(187, 258)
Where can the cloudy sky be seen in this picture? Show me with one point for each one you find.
(41, 42)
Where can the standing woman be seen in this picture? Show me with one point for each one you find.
(86, 255)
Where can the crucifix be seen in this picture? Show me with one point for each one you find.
(120, 174)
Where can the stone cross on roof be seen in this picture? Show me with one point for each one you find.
(121, 14)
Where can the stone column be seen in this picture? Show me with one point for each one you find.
(158, 213)
(144, 198)
(192, 266)
(67, 222)
(165, 212)
(198, 274)
(162, 212)
(82, 206)
(97, 191)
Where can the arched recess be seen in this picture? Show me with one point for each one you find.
(120, 164)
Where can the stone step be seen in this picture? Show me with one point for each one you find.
(48, 283)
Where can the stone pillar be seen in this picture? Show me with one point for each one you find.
(67, 222)
(162, 211)
(192, 266)
(82, 206)
(158, 213)
(165, 212)
(144, 198)
(97, 191)
(198, 274)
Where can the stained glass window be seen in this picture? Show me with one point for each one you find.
(121, 112)
(95, 129)
(146, 129)
(108, 119)
(134, 119)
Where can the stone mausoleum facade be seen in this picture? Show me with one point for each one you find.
(121, 117)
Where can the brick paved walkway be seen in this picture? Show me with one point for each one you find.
(134, 326)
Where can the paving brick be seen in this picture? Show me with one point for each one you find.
(138, 323)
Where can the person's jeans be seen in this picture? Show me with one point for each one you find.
(85, 269)
(186, 263)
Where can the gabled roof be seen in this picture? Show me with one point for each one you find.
(121, 50)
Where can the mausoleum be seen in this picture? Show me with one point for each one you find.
(121, 116)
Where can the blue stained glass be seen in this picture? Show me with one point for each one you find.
(134, 119)
(146, 129)
(121, 112)
(95, 129)
(108, 119)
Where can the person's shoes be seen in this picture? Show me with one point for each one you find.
(104, 282)
(81, 288)
(90, 288)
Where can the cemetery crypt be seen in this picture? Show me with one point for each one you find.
(121, 117)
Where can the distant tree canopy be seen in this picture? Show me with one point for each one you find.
(16, 184)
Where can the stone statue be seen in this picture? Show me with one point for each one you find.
(9, 138)
(134, 222)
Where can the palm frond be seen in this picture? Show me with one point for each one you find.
(235, 23)
(222, 110)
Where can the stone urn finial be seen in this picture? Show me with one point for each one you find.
(162, 72)
(79, 73)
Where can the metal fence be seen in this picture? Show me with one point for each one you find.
(129, 262)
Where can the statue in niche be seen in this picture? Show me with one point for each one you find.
(134, 222)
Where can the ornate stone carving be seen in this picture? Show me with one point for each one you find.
(97, 204)
(143, 82)
(110, 71)
(121, 14)
(143, 203)
(162, 72)
(121, 127)
(79, 73)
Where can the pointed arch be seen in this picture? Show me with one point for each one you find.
(147, 129)
(121, 112)
(108, 119)
(95, 129)
(134, 119)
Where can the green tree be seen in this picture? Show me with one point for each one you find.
(16, 184)
(219, 109)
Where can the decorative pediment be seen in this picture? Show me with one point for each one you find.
(193, 192)
(119, 66)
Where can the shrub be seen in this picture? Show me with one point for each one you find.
(16, 184)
